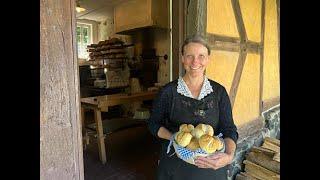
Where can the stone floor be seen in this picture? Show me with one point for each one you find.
(132, 154)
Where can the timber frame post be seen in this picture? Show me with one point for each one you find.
(61, 155)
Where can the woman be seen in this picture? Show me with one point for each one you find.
(193, 99)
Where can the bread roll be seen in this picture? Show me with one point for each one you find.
(194, 144)
(219, 142)
(209, 130)
(183, 138)
(197, 132)
(186, 127)
(208, 143)
(203, 127)
(206, 128)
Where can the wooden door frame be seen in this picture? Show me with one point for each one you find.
(178, 35)
(61, 154)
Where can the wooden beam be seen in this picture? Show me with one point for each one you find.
(61, 155)
(225, 43)
(237, 77)
(100, 136)
(192, 17)
(263, 7)
(253, 47)
(178, 36)
(240, 24)
(212, 38)
(225, 46)
(77, 139)
(202, 11)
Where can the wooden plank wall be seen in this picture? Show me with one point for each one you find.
(60, 128)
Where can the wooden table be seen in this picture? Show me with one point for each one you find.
(100, 104)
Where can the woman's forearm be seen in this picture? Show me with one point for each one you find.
(230, 147)
(164, 133)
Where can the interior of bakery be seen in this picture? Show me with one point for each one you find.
(122, 51)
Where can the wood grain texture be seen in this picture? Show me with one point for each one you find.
(60, 125)
(245, 176)
(263, 160)
(239, 20)
(100, 137)
(237, 77)
(260, 172)
(263, 6)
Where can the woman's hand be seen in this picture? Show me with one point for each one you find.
(219, 159)
(215, 161)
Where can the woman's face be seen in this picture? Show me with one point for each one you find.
(195, 59)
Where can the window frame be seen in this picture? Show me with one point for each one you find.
(90, 38)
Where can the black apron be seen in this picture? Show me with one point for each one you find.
(189, 111)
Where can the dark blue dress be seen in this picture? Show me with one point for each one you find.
(171, 109)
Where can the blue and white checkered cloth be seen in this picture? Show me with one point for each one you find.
(184, 153)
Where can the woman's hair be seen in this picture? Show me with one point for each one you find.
(195, 39)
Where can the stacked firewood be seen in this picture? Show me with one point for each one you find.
(262, 163)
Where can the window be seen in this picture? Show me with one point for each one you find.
(84, 38)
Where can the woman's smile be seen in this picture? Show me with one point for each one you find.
(195, 67)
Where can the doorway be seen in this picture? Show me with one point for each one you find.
(98, 25)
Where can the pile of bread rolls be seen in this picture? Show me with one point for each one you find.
(200, 136)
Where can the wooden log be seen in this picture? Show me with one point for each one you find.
(267, 152)
(271, 146)
(260, 172)
(264, 160)
(240, 177)
(244, 176)
(273, 141)
(276, 157)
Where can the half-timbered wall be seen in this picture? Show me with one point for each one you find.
(243, 35)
